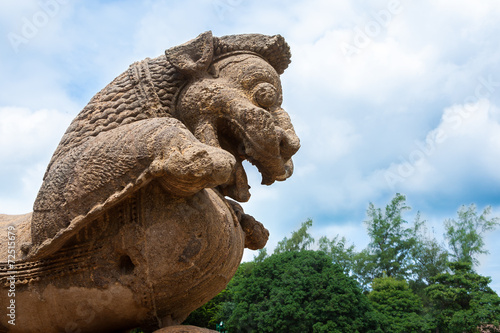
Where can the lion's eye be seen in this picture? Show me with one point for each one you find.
(265, 95)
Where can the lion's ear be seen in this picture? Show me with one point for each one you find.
(194, 57)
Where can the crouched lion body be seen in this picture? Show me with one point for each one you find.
(131, 225)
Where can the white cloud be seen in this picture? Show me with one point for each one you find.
(354, 233)
(465, 145)
(27, 141)
(25, 133)
(358, 117)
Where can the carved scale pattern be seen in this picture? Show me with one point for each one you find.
(68, 261)
(79, 254)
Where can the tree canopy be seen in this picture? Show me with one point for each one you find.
(462, 300)
(391, 240)
(402, 281)
(300, 240)
(301, 291)
(465, 234)
(399, 308)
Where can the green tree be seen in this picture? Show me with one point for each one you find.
(299, 241)
(221, 306)
(261, 255)
(390, 241)
(399, 307)
(429, 258)
(210, 313)
(364, 268)
(338, 250)
(299, 292)
(462, 300)
(465, 234)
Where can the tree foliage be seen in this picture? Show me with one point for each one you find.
(462, 300)
(299, 292)
(400, 309)
(364, 267)
(339, 252)
(209, 315)
(405, 273)
(465, 234)
(429, 258)
(261, 255)
(390, 239)
(299, 241)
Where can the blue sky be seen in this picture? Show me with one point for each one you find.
(390, 96)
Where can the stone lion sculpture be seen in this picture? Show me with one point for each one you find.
(131, 226)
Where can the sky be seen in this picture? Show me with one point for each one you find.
(387, 97)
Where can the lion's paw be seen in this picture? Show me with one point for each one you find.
(187, 171)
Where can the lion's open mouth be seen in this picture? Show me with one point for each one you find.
(271, 166)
